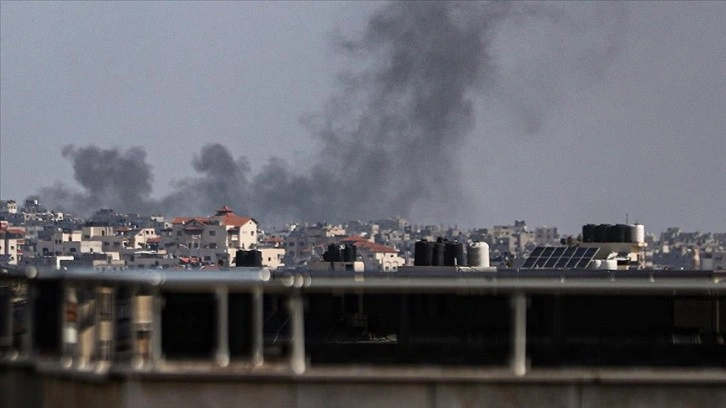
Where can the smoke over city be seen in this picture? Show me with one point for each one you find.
(390, 139)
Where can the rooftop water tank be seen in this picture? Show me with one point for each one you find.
(437, 256)
(478, 254)
(454, 254)
(333, 253)
(350, 253)
(639, 234)
(588, 233)
(601, 232)
(619, 233)
(423, 253)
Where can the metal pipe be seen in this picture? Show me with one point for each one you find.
(27, 348)
(69, 319)
(257, 327)
(519, 334)
(297, 354)
(156, 351)
(222, 355)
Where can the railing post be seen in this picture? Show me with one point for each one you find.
(6, 331)
(222, 354)
(519, 334)
(27, 346)
(69, 326)
(257, 327)
(143, 327)
(105, 317)
(297, 354)
(156, 351)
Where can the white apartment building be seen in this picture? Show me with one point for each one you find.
(210, 239)
(9, 248)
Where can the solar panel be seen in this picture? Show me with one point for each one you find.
(551, 262)
(561, 263)
(560, 257)
(573, 262)
(541, 261)
(583, 263)
(529, 262)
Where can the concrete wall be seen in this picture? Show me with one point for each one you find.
(20, 388)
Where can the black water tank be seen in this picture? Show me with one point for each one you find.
(423, 253)
(248, 258)
(588, 233)
(437, 255)
(619, 233)
(454, 254)
(255, 258)
(602, 232)
(333, 254)
(240, 258)
(350, 253)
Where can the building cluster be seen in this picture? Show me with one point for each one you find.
(33, 235)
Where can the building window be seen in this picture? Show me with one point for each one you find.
(212, 233)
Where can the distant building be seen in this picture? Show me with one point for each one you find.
(210, 239)
(376, 256)
(308, 242)
(11, 239)
(8, 206)
(544, 236)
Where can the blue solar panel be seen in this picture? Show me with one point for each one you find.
(560, 257)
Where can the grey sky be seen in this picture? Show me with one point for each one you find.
(589, 113)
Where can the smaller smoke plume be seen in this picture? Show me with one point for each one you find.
(109, 177)
(222, 180)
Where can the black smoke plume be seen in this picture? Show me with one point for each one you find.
(109, 177)
(391, 139)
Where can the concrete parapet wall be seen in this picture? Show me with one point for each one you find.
(22, 389)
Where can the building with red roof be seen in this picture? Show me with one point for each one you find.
(211, 239)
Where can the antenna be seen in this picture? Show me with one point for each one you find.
(626, 218)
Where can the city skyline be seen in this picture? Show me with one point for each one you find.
(580, 113)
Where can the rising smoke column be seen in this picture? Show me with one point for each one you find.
(392, 136)
(222, 181)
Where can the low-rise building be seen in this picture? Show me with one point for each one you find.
(210, 239)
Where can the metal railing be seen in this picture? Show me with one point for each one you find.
(475, 326)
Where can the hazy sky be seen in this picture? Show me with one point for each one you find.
(580, 112)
